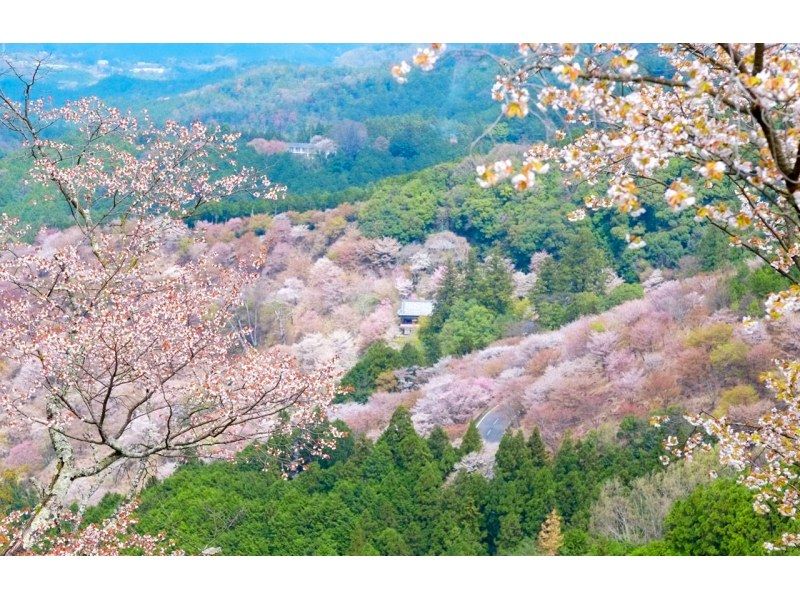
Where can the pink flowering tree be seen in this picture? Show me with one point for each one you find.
(267, 147)
(729, 115)
(134, 355)
(113, 536)
(728, 110)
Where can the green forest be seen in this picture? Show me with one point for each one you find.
(400, 496)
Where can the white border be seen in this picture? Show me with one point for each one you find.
(397, 21)
(386, 577)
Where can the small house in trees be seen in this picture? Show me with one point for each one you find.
(318, 146)
(411, 311)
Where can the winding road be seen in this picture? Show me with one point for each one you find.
(492, 425)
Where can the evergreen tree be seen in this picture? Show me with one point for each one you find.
(427, 506)
(472, 441)
(573, 284)
(458, 528)
(512, 456)
(579, 467)
(579, 267)
(537, 448)
(469, 273)
(378, 463)
(360, 544)
(409, 450)
(550, 539)
(493, 287)
(539, 496)
(510, 532)
(391, 543)
(378, 358)
(410, 355)
(718, 519)
(441, 449)
(714, 250)
(438, 442)
(446, 296)
(471, 326)
(429, 338)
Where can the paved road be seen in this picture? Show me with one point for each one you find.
(494, 422)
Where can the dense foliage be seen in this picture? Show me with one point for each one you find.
(382, 498)
(361, 380)
(717, 520)
(399, 496)
(522, 223)
(474, 305)
(576, 283)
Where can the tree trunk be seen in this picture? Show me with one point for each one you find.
(56, 492)
(44, 512)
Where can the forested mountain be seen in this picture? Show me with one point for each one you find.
(283, 94)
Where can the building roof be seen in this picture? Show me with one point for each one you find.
(415, 308)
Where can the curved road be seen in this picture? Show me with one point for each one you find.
(492, 425)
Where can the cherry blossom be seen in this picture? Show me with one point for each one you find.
(112, 537)
(134, 356)
(730, 111)
(400, 71)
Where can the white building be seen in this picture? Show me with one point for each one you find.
(318, 146)
(410, 312)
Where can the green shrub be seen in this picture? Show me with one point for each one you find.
(470, 326)
(718, 519)
(362, 377)
(625, 292)
(741, 394)
(730, 358)
(749, 288)
(584, 304)
(710, 336)
(551, 315)
(107, 506)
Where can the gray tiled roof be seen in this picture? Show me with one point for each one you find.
(415, 308)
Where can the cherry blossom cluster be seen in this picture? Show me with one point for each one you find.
(113, 536)
(134, 355)
(729, 110)
(141, 359)
(296, 456)
(425, 59)
(532, 165)
(125, 167)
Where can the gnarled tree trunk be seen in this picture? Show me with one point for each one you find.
(55, 493)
